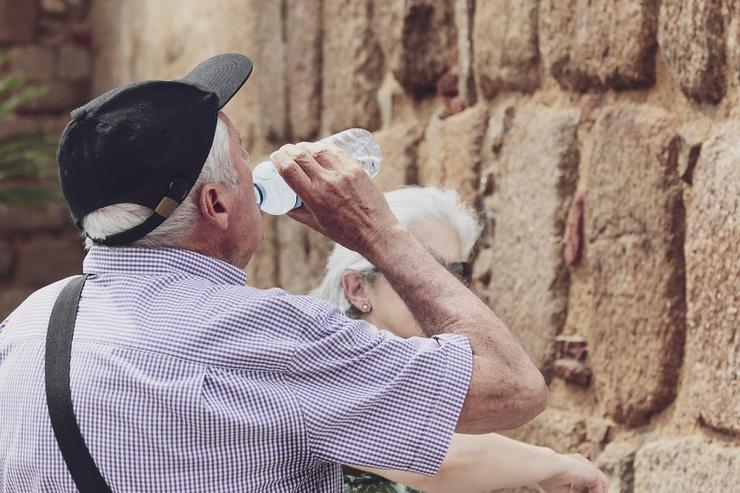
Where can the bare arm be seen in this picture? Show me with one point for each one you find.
(506, 389)
(491, 462)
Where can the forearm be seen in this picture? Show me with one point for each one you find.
(480, 463)
(506, 389)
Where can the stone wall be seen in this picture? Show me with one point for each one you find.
(598, 140)
(49, 41)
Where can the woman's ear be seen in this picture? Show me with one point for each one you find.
(354, 286)
(214, 205)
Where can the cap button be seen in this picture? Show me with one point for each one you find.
(78, 114)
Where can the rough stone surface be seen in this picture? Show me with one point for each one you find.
(686, 465)
(592, 45)
(464, 19)
(303, 63)
(36, 63)
(262, 270)
(427, 46)
(302, 256)
(535, 177)
(617, 463)
(452, 151)
(712, 281)
(399, 144)
(505, 40)
(691, 37)
(74, 62)
(17, 20)
(634, 228)
(46, 259)
(352, 74)
(15, 220)
(565, 432)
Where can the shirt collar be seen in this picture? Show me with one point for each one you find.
(158, 261)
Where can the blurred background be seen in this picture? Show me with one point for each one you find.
(597, 139)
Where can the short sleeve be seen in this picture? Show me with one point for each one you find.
(370, 398)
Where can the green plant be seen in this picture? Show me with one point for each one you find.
(25, 174)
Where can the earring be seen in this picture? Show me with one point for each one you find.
(365, 307)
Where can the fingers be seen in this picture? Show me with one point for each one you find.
(300, 156)
(291, 172)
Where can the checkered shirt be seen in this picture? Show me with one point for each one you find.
(185, 379)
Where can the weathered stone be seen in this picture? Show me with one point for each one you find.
(352, 74)
(74, 62)
(572, 371)
(7, 257)
(60, 96)
(505, 40)
(427, 44)
(635, 230)
(686, 465)
(691, 136)
(593, 45)
(712, 281)
(617, 463)
(35, 62)
(571, 346)
(54, 7)
(262, 270)
(565, 432)
(536, 174)
(11, 297)
(691, 38)
(52, 218)
(45, 259)
(399, 144)
(302, 256)
(464, 20)
(387, 16)
(303, 68)
(452, 152)
(17, 21)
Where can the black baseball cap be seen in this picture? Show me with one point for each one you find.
(145, 143)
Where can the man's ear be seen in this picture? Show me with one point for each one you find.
(353, 284)
(214, 205)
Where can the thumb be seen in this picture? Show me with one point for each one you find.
(305, 216)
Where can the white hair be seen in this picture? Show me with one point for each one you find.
(411, 205)
(121, 217)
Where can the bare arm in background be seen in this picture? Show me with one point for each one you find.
(342, 202)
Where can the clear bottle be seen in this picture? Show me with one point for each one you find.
(274, 196)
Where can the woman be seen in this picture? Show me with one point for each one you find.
(448, 230)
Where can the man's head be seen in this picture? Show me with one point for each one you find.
(156, 163)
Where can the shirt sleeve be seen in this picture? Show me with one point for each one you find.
(371, 398)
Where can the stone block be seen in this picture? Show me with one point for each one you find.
(428, 42)
(399, 144)
(535, 176)
(18, 21)
(302, 256)
(270, 58)
(60, 96)
(10, 298)
(634, 227)
(617, 463)
(52, 218)
(686, 465)
(594, 45)
(452, 152)
(303, 68)
(45, 259)
(74, 62)
(505, 40)
(35, 62)
(464, 21)
(712, 281)
(352, 74)
(691, 37)
(565, 432)
(263, 267)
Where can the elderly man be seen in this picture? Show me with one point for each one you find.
(183, 378)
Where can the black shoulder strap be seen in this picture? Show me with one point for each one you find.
(59, 334)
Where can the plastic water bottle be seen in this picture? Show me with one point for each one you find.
(274, 196)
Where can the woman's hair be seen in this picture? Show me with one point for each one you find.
(411, 205)
(121, 217)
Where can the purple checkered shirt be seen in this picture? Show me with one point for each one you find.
(186, 379)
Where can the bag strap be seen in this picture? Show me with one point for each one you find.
(59, 335)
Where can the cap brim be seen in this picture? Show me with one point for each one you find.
(222, 74)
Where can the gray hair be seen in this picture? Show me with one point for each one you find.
(411, 205)
(121, 217)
